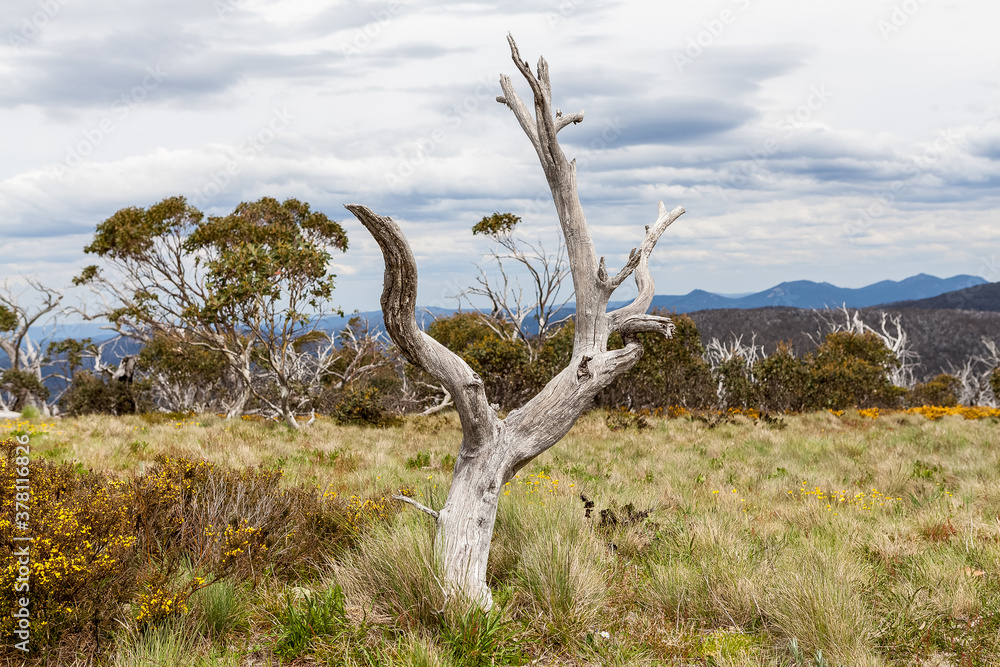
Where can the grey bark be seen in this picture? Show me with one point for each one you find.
(494, 449)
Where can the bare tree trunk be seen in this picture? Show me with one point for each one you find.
(494, 449)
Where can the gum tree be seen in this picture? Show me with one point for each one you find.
(494, 449)
(244, 286)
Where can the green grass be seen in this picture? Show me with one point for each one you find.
(833, 540)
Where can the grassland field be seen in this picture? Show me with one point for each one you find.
(816, 539)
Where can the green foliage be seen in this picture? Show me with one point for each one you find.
(850, 370)
(88, 394)
(421, 460)
(504, 365)
(498, 224)
(928, 471)
(131, 233)
(739, 390)
(362, 406)
(259, 273)
(782, 381)
(312, 615)
(995, 382)
(941, 391)
(671, 372)
(156, 540)
(176, 360)
(8, 319)
(72, 352)
(30, 412)
(266, 251)
(24, 386)
(480, 638)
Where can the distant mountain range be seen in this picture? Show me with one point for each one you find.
(808, 294)
(919, 291)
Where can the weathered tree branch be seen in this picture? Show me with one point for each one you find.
(399, 302)
(638, 264)
(419, 506)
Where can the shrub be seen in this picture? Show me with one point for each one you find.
(505, 365)
(186, 376)
(88, 394)
(102, 542)
(782, 380)
(362, 406)
(30, 412)
(736, 382)
(25, 387)
(851, 370)
(671, 372)
(620, 419)
(942, 391)
(995, 382)
(76, 581)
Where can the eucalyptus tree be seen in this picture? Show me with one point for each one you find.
(493, 449)
(243, 285)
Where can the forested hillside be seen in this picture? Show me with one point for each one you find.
(942, 339)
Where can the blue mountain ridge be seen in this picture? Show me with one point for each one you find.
(795, 294)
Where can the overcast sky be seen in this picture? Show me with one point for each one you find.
(847, 142)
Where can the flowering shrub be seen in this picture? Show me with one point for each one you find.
(102, 542)
(84, 563)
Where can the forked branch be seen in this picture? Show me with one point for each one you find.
(638, 265)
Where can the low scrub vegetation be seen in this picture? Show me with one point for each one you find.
(659, 537)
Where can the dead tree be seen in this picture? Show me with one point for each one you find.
(494, 449)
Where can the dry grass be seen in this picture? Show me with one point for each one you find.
(875, 541)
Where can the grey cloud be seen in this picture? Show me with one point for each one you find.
(660, 121)
(95, 72)
(741, 70)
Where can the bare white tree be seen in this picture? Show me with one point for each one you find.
(974, 376)
(494, 449)
(718, 353)
(545, 273)
(25, 355)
